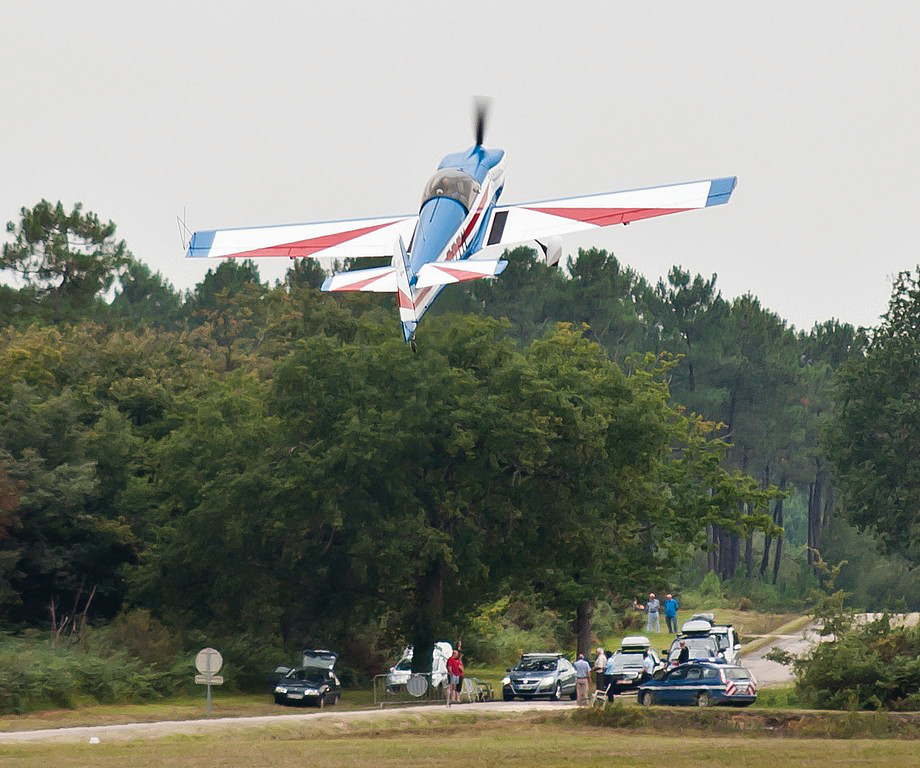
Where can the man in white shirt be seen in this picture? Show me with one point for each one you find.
(600, 664)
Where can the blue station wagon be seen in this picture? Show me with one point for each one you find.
(700, 684)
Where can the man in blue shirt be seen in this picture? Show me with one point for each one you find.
(582, 675)
(670, 613)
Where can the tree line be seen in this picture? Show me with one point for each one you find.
(275, 463)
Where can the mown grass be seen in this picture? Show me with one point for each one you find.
(466, 740)
(176, 708)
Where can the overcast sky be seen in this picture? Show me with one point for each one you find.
(245, 113)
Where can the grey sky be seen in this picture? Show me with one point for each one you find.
(259, 113)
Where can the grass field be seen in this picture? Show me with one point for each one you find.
(458, 741)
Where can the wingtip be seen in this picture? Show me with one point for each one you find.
(720, 190)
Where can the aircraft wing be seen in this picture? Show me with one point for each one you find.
(348, 239)
(512, 224)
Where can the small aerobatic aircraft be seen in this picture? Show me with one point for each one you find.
(459, 219)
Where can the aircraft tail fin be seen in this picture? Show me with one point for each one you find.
(447, 272)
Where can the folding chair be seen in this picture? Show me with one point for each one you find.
(600, 697)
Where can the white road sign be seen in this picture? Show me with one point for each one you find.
(208, 661)
(209, 679)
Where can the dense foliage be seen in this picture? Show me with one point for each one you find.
(273, 466)
(872, 665)
(874, 440)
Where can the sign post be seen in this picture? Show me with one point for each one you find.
(208, 662)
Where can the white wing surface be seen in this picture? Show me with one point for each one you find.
(512, 224)
(349, 239)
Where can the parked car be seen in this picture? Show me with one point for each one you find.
(539, 675)
(313, 683)
(700, 684)
(706, 640)
(629, 664)
(400, 672)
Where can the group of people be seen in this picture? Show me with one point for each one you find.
(653, 607)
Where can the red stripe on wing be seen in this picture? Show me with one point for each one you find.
(311, 245)
(603, 217)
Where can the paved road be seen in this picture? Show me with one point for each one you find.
(768, 673)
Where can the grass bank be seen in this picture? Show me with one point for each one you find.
(436, 740)
(822, 724)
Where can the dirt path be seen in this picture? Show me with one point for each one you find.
(128, 731)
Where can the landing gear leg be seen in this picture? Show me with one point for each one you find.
(413, 345)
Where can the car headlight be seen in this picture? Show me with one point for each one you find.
(310, 692)
(279, 689)
(548, 683)
(506, 681)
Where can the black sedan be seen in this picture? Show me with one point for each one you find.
(308, 686)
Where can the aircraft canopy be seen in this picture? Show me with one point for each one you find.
(454, 184)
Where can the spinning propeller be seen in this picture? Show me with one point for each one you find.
(480, 113)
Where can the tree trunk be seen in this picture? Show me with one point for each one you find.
(712, 559)
(429, 612)
(777, 558)
(778, 521)
(584, 615)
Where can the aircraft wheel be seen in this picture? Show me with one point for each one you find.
(413, 345)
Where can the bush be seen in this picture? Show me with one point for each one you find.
(38, 674)
(870, 666)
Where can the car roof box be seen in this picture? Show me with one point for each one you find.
(704, 617)
(696, 627)
(635, 641)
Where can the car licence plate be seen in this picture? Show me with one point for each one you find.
(295, 695)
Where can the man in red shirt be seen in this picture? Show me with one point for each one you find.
(454, 670)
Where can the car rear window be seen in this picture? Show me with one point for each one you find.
(737, 673)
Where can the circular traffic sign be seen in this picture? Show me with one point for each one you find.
(417, 685)
(208, 661)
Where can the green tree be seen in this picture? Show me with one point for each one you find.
(876, 420)
(70, 258)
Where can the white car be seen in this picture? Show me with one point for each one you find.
(707, 640)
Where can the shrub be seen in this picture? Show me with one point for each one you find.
(745, 604)
(870, 666)
(38, 674)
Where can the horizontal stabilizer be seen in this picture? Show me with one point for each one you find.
(446, 272)
(376, 279)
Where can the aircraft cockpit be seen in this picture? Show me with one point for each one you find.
(454, 184)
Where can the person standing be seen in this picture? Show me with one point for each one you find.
(453, 677)
(670, 613)
(648, 667)
(582, 675)
(652, 606)
(459, 688)
(600, 665)
(609, 672)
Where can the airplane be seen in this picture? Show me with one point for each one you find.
(459, 219)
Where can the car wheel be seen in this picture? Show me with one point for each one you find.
(646, 699)
(506, 697)
(557, 694)
(279, 700)
(704, 700)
